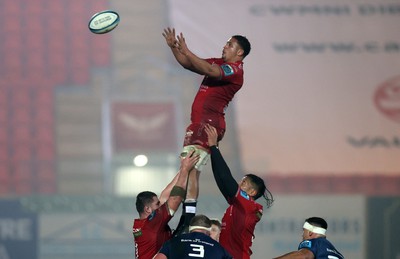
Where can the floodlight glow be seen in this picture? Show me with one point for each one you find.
(140, 160)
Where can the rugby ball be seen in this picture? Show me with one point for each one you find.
(103, 22)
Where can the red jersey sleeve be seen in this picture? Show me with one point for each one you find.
(230, 72)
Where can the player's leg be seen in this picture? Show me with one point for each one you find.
(196, 139)
(189, 205)
(192, 189)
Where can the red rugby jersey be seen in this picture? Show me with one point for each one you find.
(150, 233)
(238, 225)
(215, 94)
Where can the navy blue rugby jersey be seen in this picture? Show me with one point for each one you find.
(194, 245)
(321, 248)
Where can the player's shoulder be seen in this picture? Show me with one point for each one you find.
(237, 64)
(306, 244)
(213, 247)
(310, 243)
(232, 68)
(138, 223)
(160, 214)
(223, 252)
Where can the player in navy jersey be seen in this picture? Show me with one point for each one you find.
(196, 244)
(223, 77)
(243, 213)
(314, 244)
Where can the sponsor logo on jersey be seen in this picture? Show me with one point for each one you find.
(228, 70)
(203, 88)
(244, 195)
(305, 244)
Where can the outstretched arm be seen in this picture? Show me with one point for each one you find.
(177, 192)
(198, 65)
(165, 193)
(301, 254)
(160, 256)
(172, 42)
(222, 174)
(186, 58)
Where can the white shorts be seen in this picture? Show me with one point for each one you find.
(204, 155)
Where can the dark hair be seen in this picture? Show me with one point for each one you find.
(216, 222)
(243, 43)
(318, 222)
(201, 221)
(143, 199)
(261, 189)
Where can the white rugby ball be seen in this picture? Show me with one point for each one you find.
(103, 22)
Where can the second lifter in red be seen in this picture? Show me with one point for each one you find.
(223, 77)
(240, 218)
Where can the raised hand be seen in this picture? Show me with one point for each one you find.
(170, 38)
(181, 44)
(212, 135)
(189, 161)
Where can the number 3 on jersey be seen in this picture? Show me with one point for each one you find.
(198, 249)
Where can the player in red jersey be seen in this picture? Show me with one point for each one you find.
(223, 77)
(243, 213)
(151, 230)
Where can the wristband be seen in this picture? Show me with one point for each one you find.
(178, 191)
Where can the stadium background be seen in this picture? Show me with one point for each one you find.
(318, 118)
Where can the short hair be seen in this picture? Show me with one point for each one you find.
(243, 43)
(262, 191)
(318, 222)
(216, 222)
(144, 199)
(201, 221)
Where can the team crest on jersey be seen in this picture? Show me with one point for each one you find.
(228, 70)
(244, 195)
(305, 244)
